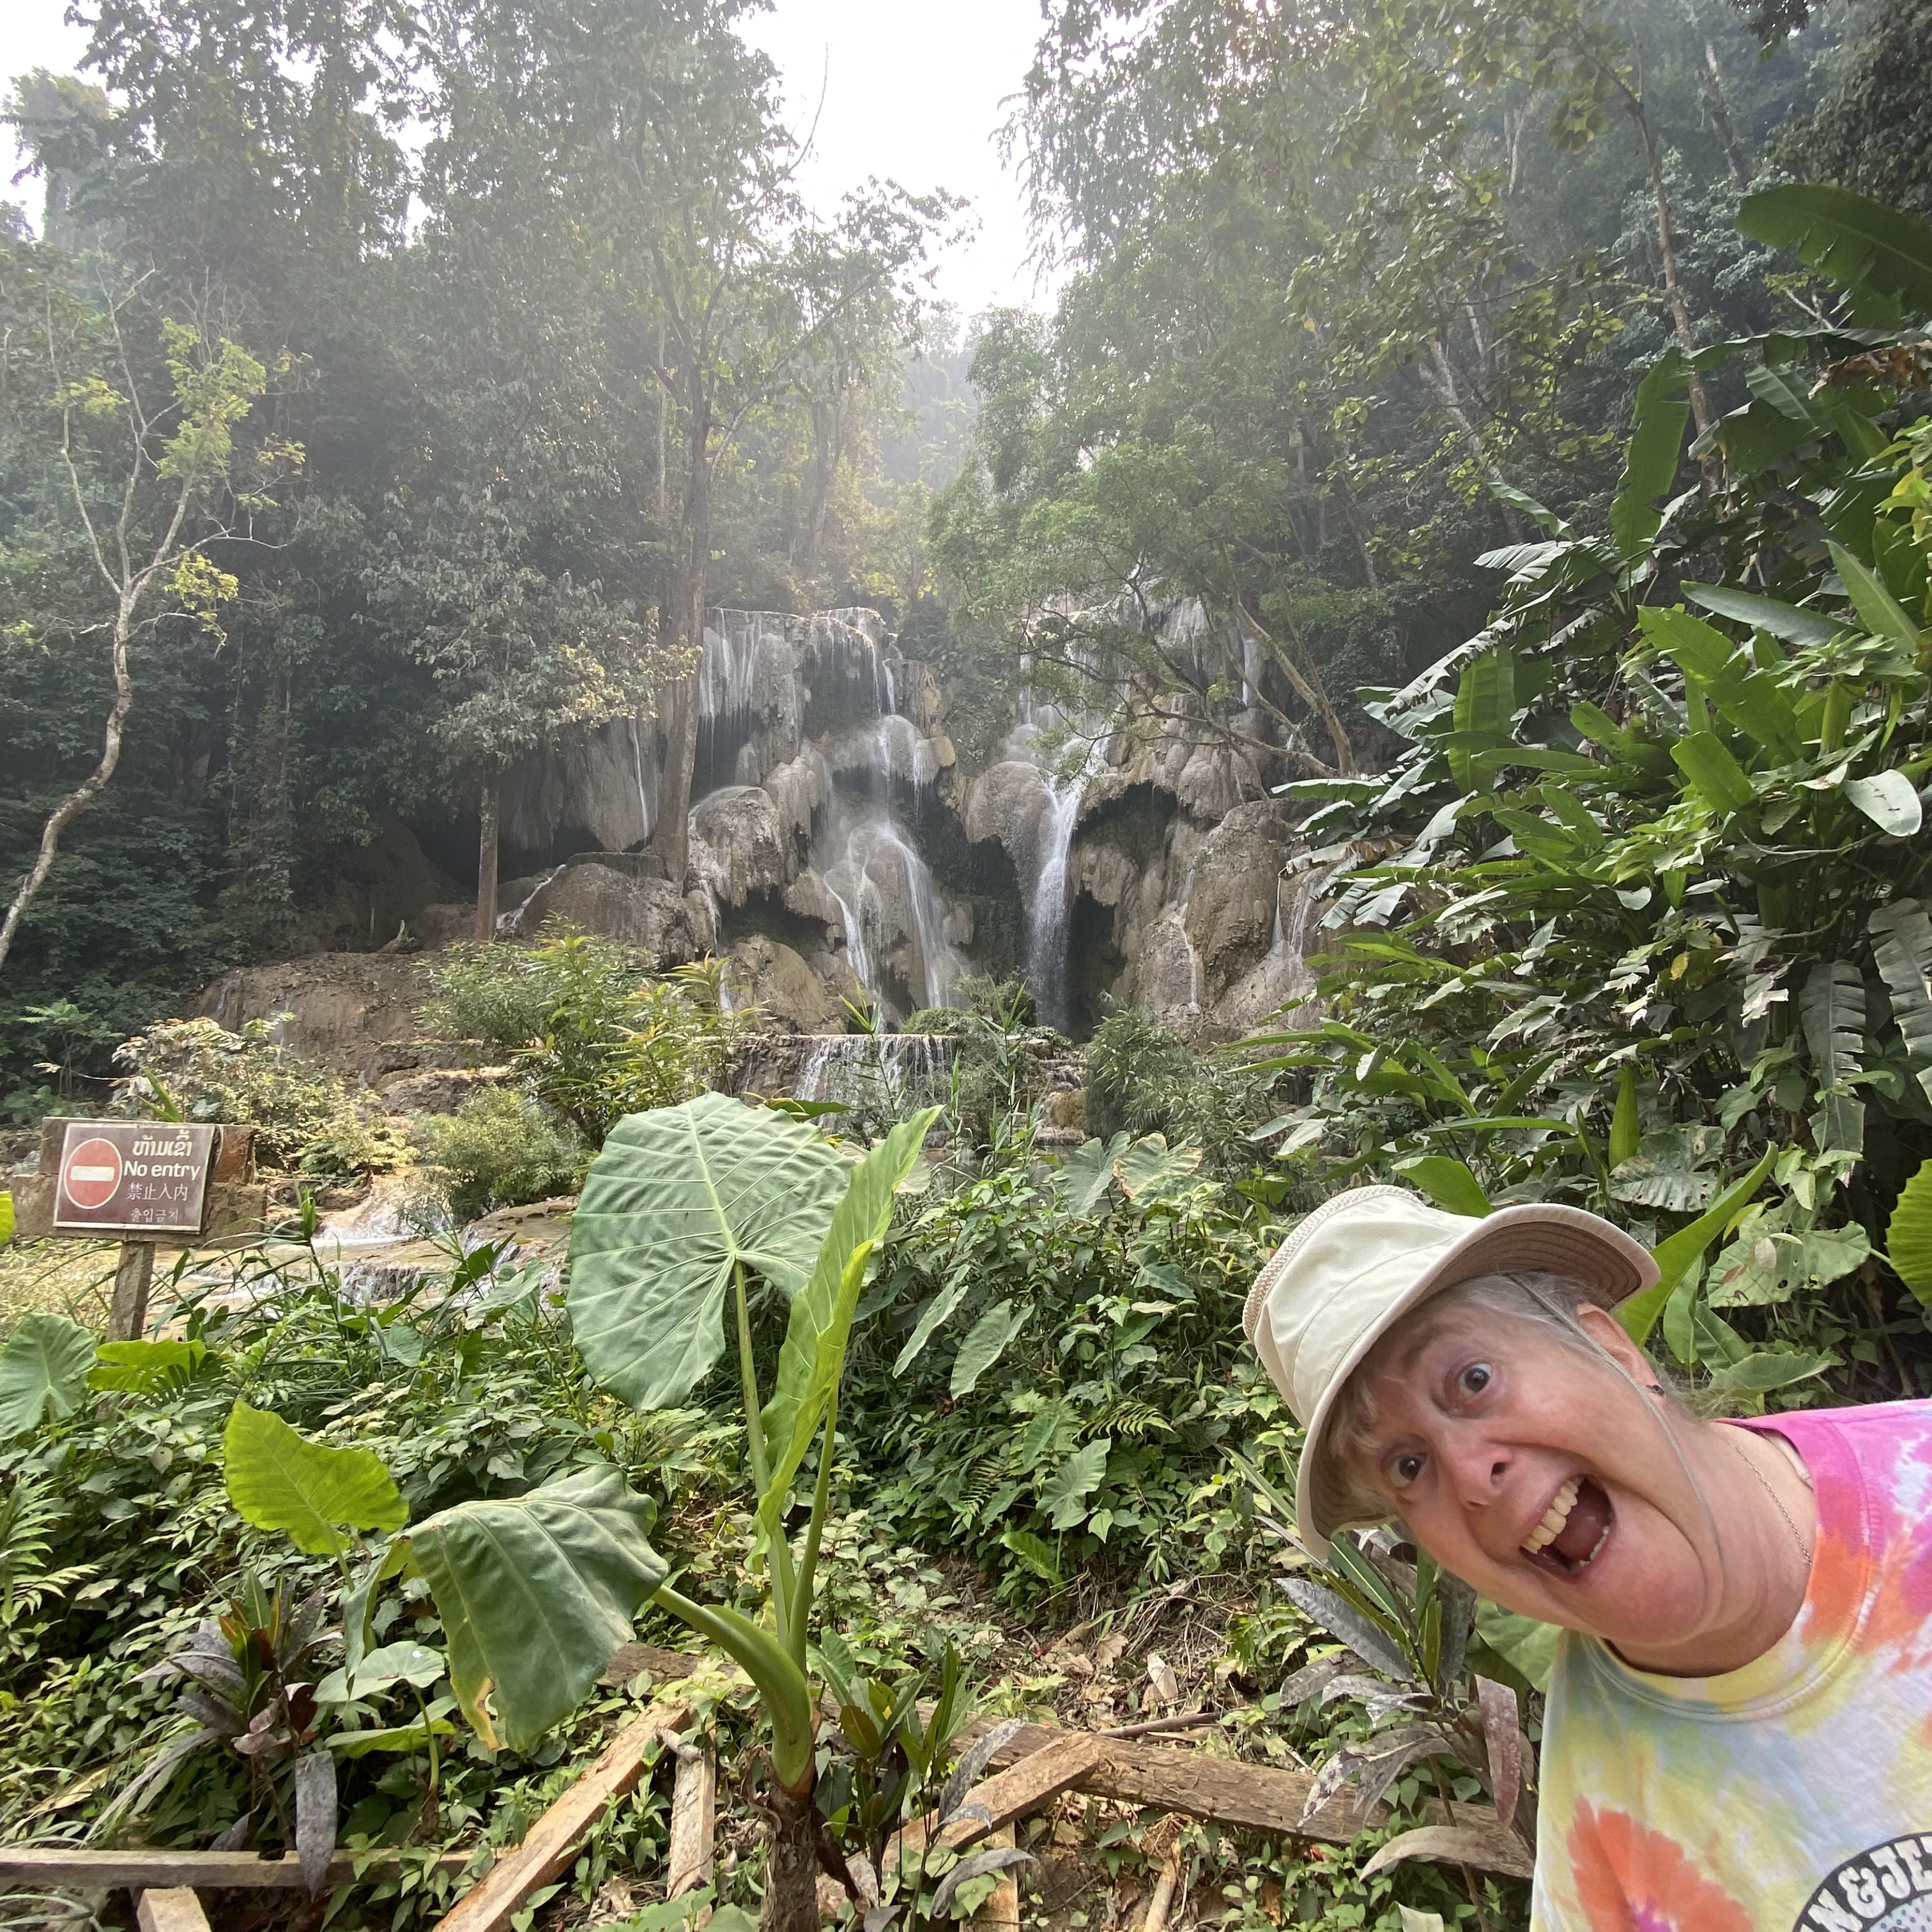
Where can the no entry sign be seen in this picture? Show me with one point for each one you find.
(133, 1177)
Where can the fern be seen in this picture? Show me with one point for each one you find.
(26, 1515)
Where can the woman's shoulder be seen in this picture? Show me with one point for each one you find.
(1868, 1428)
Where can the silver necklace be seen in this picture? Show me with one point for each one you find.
(1776, 1503)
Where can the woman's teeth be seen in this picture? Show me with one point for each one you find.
(1554, 1518)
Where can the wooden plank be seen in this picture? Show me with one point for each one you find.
(176, 1908)
(1001, 1912)
(1071, 1756)
(201, 1871)
(693, 1821)
(551, 1843)
(1262, 1797)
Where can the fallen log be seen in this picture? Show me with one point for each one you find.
(551, 1843)
(693, 1821)
(198, 1871)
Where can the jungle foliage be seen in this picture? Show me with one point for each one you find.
(444, 479)
(1636, 918)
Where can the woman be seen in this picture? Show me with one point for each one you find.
(1738, 1733)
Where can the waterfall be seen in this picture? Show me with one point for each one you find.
(510, 924)
(637, 765)
(905, 1071)
(1049, 911)
(874, 870)
(1290, 933)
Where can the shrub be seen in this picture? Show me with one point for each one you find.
(595, 1036)
(499, 1149)
(304, 1117)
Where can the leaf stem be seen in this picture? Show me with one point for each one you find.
(808, 1562)
(780, 1683)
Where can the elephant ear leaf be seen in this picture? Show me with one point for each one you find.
(279, 1480)
(1908, 1235)
(678, 1197)
(536, 1593)
(43, 1370)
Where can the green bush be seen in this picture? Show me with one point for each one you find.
(499, 1149)
(595, 1034)
(304, 1117)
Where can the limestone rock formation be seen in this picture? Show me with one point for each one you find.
(613, 895)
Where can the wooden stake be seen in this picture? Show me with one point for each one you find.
(693, 1816)
(1163, 1900)
(129, 1315)
(175, 1909)
(1001, 1912)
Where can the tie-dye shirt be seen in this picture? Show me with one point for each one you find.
(1792, 1795)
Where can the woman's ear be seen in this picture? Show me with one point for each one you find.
(1610, 1335)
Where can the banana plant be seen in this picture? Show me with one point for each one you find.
(713, 1209)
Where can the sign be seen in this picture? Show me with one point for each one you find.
(132, 1178)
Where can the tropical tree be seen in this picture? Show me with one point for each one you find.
(149, 466)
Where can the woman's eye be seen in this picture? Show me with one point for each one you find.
(1403, 1470)
(1476, 1378)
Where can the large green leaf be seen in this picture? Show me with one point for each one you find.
(1651, 457)
(43, 1368)
(1767, 1369)
(1677, 1254)
(1889, 801)
(1784, 621)
(985, 1342)
(1485, 709)
(1908, 1235)
(1831, 1010)
(1902, 946)
(1860, 244)
(1748, 699)
(1671, 1169)
(279, 1480)
(820, 1323)
(1880, 613)
(1063, 1495)
(1715, 776)
(535, 1594)
(1446, 1181)
(678, 1196)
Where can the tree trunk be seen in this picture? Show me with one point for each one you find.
(1440, 373)
(671, 840)
(791, 1863)
(486, 861)
(83, 794)
(1711, 85)
(1667, 243)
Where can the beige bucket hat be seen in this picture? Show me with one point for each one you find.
(1361, 1261)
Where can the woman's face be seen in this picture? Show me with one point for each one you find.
(1540, 1475)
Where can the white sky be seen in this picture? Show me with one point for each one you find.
(913, 90)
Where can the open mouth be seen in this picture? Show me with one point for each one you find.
(1573, 1530)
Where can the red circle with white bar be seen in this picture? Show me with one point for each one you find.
(92, 1173)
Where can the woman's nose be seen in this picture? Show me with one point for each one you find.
(1477, 1469)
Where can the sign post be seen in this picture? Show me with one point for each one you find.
(139, 1179)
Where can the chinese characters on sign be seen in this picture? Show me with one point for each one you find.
(133, 1177)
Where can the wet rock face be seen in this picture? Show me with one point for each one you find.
(740, 845)
(596, 893)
